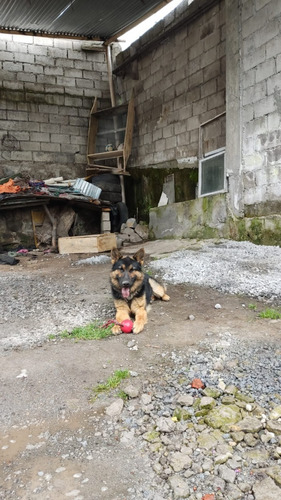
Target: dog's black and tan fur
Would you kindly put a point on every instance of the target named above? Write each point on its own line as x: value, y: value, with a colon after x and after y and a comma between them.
x: 132, y: 289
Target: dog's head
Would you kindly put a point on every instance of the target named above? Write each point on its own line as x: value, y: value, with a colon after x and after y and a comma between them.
x: 126, y: 274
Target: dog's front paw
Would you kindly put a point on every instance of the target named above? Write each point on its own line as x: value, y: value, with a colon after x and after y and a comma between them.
x: 138, y: 327
x: 116, y: 330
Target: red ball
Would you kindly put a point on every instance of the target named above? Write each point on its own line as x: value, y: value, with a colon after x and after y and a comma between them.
x: 126, y: 326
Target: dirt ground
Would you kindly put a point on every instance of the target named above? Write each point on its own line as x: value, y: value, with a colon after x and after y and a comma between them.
x: 51, y: 433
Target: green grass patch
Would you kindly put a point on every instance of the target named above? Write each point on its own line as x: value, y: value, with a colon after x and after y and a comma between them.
x: 111, y: 383
x: 270, y: 314
x: 253, y: 307
x: 92, y: 331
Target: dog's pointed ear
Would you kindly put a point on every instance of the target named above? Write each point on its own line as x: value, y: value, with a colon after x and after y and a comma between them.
x: 139, y: 256
x: 115, y: 255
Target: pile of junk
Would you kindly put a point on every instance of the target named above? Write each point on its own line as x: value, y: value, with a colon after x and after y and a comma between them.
x: 35, y: 213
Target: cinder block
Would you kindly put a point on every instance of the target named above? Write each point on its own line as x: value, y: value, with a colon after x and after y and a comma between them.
x: 83, y: 65
x: 21, y: 155
x: 6, y: 56
x: 73, y: 73
x: 11, y: 66
x: 254, y: 59
x: 39, y: 136
x: 53, y: 70
x: 66, y: 82
x: 82, y: 83
x: 25, y: 58
x: 30, y: 146
x: 44, y: 108
x: 61, y: 138
x: 26, y: 77
x: 73, y: 101
x: 17, y: 116
x: 37, y: 50
x: 75, y: 54
x: 264, y: 106
x: 208, y: 88
x: 253, y: 24
x: 49, y: 147
x: 265, y: 70
x: 56, y: 52
x: 171, y: 142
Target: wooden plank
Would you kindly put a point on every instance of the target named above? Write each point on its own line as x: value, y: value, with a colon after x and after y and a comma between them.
x: 92, y: 243
x: 106, y: 155
x: 129, y: 131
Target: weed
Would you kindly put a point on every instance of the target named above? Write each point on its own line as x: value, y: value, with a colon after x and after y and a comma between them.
x: 270, y: 314
x: 92, y: 331
x: 111, y: 383
x: 123, y: 395
x: 253, y: 307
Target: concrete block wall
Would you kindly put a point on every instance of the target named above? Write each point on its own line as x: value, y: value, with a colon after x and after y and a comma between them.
x: 179, y: 83
x: 261, y: 105
x: 46, y: 93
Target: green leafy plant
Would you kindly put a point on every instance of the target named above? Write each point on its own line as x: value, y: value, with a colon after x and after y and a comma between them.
x: 92, y: 331
x: 270, y: 314
x: 111, y: 383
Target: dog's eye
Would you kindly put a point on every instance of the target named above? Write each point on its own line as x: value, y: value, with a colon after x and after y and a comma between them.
x: 121, y: 268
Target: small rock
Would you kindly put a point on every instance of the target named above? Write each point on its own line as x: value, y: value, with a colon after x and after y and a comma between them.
x: 145, y: 399
x: 131, y: 391
x: 191, y: 317
x: 179, y: 487
x: 249, y: 424
x: 185, y: 400
x: 217, y: 306
x: 164, y: 424
x: 115, y: 409
x: 227, y: 474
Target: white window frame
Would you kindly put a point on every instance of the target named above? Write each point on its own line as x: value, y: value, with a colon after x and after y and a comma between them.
x: 209, y: 156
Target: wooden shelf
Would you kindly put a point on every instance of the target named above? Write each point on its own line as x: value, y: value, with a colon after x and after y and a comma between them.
x: 111, y: 126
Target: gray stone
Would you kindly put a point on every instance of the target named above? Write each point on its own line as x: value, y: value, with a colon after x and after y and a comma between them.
x: 185, y: 400
x: 145, y: 399
x: 135, y: 238
x: 131, y: 391
x: 180, y: 461
x: 232, y: 492
x: 273, y: 426
x: 267, y: 490
x: 131, y: 223
x: 249, y: 424
x: 275, y: 414
x: 115, y: 409
x: 179, y: 487
x: 164, y: 424
x: 142, y: 230
x: 227, y: 474
x: 207, y: 403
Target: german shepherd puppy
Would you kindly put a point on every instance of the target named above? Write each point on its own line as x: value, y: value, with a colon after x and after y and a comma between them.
x: 132, y: 289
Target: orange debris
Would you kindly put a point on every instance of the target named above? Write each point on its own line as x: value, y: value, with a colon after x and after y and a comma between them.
x: 9, y: 187
x: 197, y: 384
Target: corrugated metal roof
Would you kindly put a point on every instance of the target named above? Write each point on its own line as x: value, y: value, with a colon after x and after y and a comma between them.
x: 98, y: 19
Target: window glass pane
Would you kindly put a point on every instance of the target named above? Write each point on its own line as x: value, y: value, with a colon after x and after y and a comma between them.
x: 212, y: 174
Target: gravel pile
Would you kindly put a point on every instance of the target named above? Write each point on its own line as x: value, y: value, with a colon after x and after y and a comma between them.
x: 223, y: 440
x: 229, y: 266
